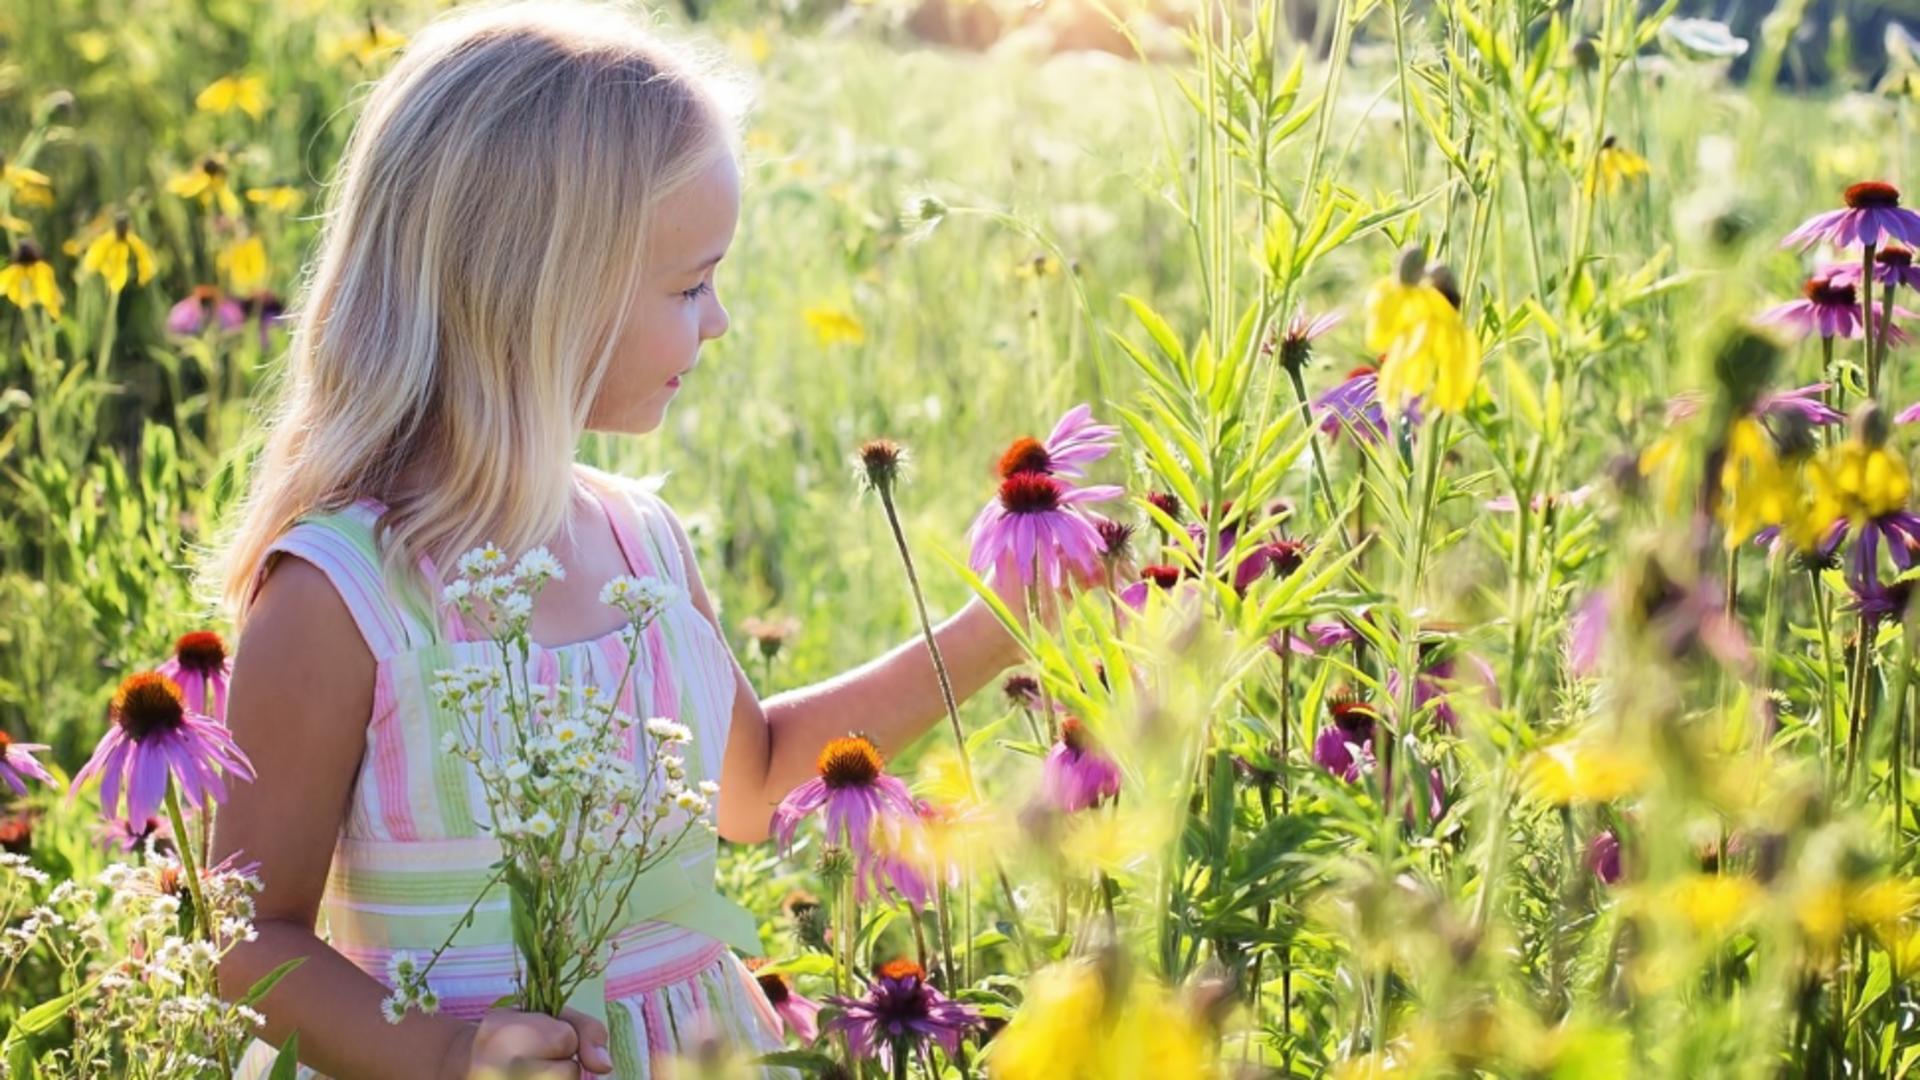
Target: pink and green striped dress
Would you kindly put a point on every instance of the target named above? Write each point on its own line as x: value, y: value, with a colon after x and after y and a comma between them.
x: 413, y: 851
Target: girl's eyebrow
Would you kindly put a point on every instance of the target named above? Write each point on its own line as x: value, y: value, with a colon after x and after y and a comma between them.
x: 703, y: 267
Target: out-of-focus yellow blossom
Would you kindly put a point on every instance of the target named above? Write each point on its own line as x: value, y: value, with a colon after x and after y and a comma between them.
x: 1067, y: 1029
x: 369, y: 45
x: 1038, y: 266
x: 207, y: 182
x: 245, y: 264
x: 754, y: 44
x: 28, y: 280
x: 1588, y: 771
x: 1856, y: 481
x: 92, y: 46
x: 832, y: 326
x: 1882, y: 905
x: 1614, y: 166
x: 279, y: 198
x: 1427, y: 349
x: 31, y: 186
x: 248, y: 93
x: 14, y: 224
x: 1715, y: 903
x: 1114, y: 841
x: 1757, y: 490
x: 116, y: 252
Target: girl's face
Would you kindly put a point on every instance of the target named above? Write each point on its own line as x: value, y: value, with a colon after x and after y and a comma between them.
x: 676, y: 309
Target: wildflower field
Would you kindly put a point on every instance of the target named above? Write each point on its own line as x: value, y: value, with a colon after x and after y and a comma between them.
x: 1473, y: 438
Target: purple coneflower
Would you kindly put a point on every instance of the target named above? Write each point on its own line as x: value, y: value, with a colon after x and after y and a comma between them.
x: 201, y: 668
x: 1603, y: 857
x: 127, y: 837
x: 855, y: 790
x: 1165, y: 502
x: 1438, y: 674
x: 1892, y: 266
x: 1807, y: 402
x: 797, y: 1011
x: 155, y: 736
x: 1320, y: 637
x: 17, y: 764
x: 1077, y: 774
x: 1151, y: 577
x: 1036, y: 518
x: 1074, y: 442
x: 1345, y: 747
x: 900, y: 1013
x: 189, y: 316
x: 1830, y: 309
x: 1873, y: 214
x: 1296, y: 345
x: 1354, y: 404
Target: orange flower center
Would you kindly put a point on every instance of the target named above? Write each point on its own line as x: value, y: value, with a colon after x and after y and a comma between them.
x: 1073, y: 734
x: 1872, y: 194
x: 902, y: 969
x: 1351, y: 714
x: 149, y: 704
x: 1166, y: 577
x: 1894, y: 255
x: 1026, y: 455
x: 775, y: 987
x: 201, y: 651
x: 6, y: 741
x: 850, y: 762
x: 1822, y: 291
x: 1030, y: 493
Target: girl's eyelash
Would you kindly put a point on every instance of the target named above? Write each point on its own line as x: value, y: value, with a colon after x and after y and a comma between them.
x: 695, y: 292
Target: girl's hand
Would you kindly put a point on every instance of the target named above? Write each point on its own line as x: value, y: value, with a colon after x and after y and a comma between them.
x: 531, y: 1046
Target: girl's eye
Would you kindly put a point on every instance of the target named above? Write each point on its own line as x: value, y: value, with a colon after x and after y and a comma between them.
x: 696, y: 292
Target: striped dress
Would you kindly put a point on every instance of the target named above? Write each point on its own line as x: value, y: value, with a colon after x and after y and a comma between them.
x: 413, y: 852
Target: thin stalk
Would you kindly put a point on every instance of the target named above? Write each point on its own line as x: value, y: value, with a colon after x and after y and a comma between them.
x: 933, y: 644
x: 1829, y: 708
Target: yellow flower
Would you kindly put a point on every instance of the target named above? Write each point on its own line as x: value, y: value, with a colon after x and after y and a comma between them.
x: 1067, y: 1029
x: 1584, y: 772
x: 279, y: 198
x: 30, y: 186
x: 28, y: 280
x: 245, y: 264
x: 832, y: 326
x: 369, y: 44
x: 14, y: 224
x: 113, y: 252
x: 1757, y: 489
x: 208, y: 183
x: 1714, y: 903
x: 1858, y: 482
x: 248, y: 93
x: 1614, y: 165
x: 1428, y: 350
x: 1037, y: 266
x: 92, y: 45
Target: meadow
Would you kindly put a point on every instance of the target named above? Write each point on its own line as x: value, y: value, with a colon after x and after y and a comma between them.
x: 1506, y: 666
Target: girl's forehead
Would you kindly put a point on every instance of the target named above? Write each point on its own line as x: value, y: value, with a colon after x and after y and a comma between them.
x: 695, y: 222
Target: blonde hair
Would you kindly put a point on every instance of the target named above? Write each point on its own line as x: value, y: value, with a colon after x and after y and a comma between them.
x: 484, y: 237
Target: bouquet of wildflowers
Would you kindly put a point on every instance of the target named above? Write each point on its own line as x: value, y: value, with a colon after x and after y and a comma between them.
x: 577, y: 820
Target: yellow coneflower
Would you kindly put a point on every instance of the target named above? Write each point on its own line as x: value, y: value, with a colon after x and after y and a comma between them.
x: 1757, y: 489
x: 245, y: 264
x: 28, y: 280
x: 1427, y: 349
x: 31, y: 186
x: 832, y: 326
x: 370, y: 44
x: 1586, y: 771
x: 280, y: 198
x: 114, y: 253
x: 209, y: 183
x: 1614, y: 166
x: 248, y: 93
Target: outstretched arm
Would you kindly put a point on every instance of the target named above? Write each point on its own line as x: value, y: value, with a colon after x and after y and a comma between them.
x: 891, y: 699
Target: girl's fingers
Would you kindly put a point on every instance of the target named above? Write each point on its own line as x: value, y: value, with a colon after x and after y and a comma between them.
x: 592, y: 1037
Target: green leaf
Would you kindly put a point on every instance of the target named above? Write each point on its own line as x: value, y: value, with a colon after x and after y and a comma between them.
x: 1157, y: 329
x: 268, y: 981
x: 1879, y: 979
x: 286, y: 1064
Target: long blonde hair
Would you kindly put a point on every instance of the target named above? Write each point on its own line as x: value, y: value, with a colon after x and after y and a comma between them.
x: 484, y: 237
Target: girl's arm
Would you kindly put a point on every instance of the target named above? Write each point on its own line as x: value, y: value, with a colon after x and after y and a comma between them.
x: 891, y: 699
x: 302, y: 689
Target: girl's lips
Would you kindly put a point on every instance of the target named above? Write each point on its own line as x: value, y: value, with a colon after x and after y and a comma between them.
x: 675, y: 381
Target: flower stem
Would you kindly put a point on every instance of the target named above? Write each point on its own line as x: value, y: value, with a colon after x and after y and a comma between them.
x: 933, y: 645
x: 1826, y: 674
x: 1866, y: 320
x: 188, y: 866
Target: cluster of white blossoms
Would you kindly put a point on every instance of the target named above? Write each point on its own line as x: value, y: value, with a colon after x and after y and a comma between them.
x: 152, y: 988
x: 581, y: 795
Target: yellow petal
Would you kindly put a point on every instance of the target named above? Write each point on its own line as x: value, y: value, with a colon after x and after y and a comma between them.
x: 142, y: 258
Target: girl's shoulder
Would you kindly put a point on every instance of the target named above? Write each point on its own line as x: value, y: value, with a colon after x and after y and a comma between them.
x: 342, y: 542
x: 659, y: 525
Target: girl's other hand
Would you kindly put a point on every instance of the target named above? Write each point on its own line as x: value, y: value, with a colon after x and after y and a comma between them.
x: 530, y: 1046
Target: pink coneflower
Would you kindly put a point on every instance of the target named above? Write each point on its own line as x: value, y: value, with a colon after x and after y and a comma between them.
x: 1076, y: 774
x: 1354, y: 404
x: 1603, y: 857
x: 1807, y: 402
x: 1165, y: 502
x: 900, y: 1013
x: 17, y: 764
x: 1022, y: 690
x: 155, y: 736
x: 201, y: 668
x: 1159, y: 577
x: 1074, y: 442
x: 189, y: 316
x: 1892, y: 266
x: 855, y: 790
x: 1345, y: 747
x: 880, y: 872
x: 798, y: 1012
x: 1036, y: 518
x: 1873, y: 214
x: 1828, y: 308
x: 127, y: 837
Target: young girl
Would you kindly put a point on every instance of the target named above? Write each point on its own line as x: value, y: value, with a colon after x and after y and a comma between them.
x: 521, y: 249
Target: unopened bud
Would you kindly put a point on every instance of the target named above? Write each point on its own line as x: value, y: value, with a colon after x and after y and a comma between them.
x: 1412, y: 265
x: 1870, y: 424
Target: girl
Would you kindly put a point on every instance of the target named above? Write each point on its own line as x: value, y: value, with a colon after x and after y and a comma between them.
x: 521, y: 249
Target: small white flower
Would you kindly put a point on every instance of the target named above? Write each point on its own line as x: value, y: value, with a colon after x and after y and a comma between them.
x: 668, y: 731
x: 393, y: 1008
x: 460, y: 589
x: 568, y: 732
x: 515, y: 606
x: 691, y: 801
x: 708, y: 788
x: 542, y: 824
x: 538, y: 565
x: 486, y: 559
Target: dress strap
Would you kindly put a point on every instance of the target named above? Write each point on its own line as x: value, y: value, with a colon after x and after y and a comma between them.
x: 391, y: 616
x: 640, y: 525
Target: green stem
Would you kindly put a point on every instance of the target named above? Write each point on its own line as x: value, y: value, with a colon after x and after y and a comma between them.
x: 183, y: 843
x: 933, y: 644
